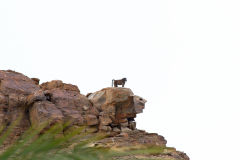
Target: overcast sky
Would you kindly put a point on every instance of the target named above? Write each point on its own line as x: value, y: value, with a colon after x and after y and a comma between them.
x: 183, y: 56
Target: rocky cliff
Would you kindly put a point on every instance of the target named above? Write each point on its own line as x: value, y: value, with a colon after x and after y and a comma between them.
x: 110, y: 110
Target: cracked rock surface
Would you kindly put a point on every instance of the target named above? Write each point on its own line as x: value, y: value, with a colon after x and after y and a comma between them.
x: 110, y: 110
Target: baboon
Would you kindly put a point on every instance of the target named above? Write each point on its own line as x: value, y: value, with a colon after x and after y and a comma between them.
x: 119, y: 82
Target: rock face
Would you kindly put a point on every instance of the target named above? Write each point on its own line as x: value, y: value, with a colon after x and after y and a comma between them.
x: 117, y: 108
x: 110, y: 110
x: 14, y: 90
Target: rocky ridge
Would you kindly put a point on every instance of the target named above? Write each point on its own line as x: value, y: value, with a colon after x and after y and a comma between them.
x: 110, y: 110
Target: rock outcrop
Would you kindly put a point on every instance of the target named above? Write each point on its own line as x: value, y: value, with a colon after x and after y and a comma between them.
x: 117, y: 108
x: 110, y: 110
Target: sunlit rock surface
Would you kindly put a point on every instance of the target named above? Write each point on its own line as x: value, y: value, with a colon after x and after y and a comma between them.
x: 110, y: 110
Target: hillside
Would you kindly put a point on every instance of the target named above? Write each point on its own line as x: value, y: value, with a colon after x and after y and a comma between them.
x: 110, y: 111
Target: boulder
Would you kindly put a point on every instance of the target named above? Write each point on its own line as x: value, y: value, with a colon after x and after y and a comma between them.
x: 17, y: 83
x: 36, y: 96
x: 139, y: 104
x: 124, y: 124
x: 43, y: 113
x: 91, y: 120
x: 118, y: 103
x: 59, y: 84
x: 105, y: 120
x: 36, y: 80
x: 116, y: 129
x: 132, y: 125
x: 125, y: 129
x: 14, y: 90
x: 3, y: 99
x: 105, y: 128
x: 70, y: 102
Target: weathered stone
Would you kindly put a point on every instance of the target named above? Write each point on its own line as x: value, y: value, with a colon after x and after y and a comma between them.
x: 14, y: 89
x: 105, y: 120
x: 83, y: 104
x: 45, y: 112
x: 92, y: 110
x: 3, y: 99
x: 36, y: 96
x: 87, y: 95
x: 59, y: 84
x: 123, y: 120
x: 105, y: 128
x: 132, y: 125
x: 16, y: 100
x: 36, y: 80
x: 1, y: 119
x: 14, y: 82
x: 69, y: 101
x: 134, y: 138
x: 125, y: 129
x: 116, y: 129
x: 117, y: 103
x: 85, y: 108
x: 124, y: 124
x: 92, y: 129
x: 91, y: 120
x: 114, y: 125
x: 102, y: 99
x: 139, y: 104
x: 98, y: 98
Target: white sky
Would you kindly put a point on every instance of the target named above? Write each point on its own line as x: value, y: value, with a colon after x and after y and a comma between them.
x: 181, y: 55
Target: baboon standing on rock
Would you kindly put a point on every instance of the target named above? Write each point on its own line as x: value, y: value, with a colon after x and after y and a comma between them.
x: 119, y: 82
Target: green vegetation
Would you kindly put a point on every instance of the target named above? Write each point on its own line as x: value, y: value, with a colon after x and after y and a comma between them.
x: 53, y: 145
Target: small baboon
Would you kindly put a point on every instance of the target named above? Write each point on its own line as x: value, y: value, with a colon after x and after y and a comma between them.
x: 119, y: 82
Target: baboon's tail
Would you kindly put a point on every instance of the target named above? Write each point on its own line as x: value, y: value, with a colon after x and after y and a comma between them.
x: 112, y: 82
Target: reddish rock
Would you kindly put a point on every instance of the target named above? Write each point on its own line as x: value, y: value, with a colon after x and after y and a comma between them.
x: 45, y: 112
x: 118, y: 103
x: 36, y: 96
x: 69, y: 101
x: 123, y: 120
x: 125, y: 129
x: 132, y: 125
x: 105, y: 120
x: 116, y: 129
x: 133, y: 138
x: 3, y: 99
x: 124, y: 124
x: 59, y: 84
x: 14, y: 90
x: 110, y: 110
x: 91, y: 120
x: 139, y: 104
x: 14, y: 82
x: 105, y: 128
x: 36, y: 80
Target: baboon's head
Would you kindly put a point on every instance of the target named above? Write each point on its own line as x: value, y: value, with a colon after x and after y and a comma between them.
x: 124, y: 79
